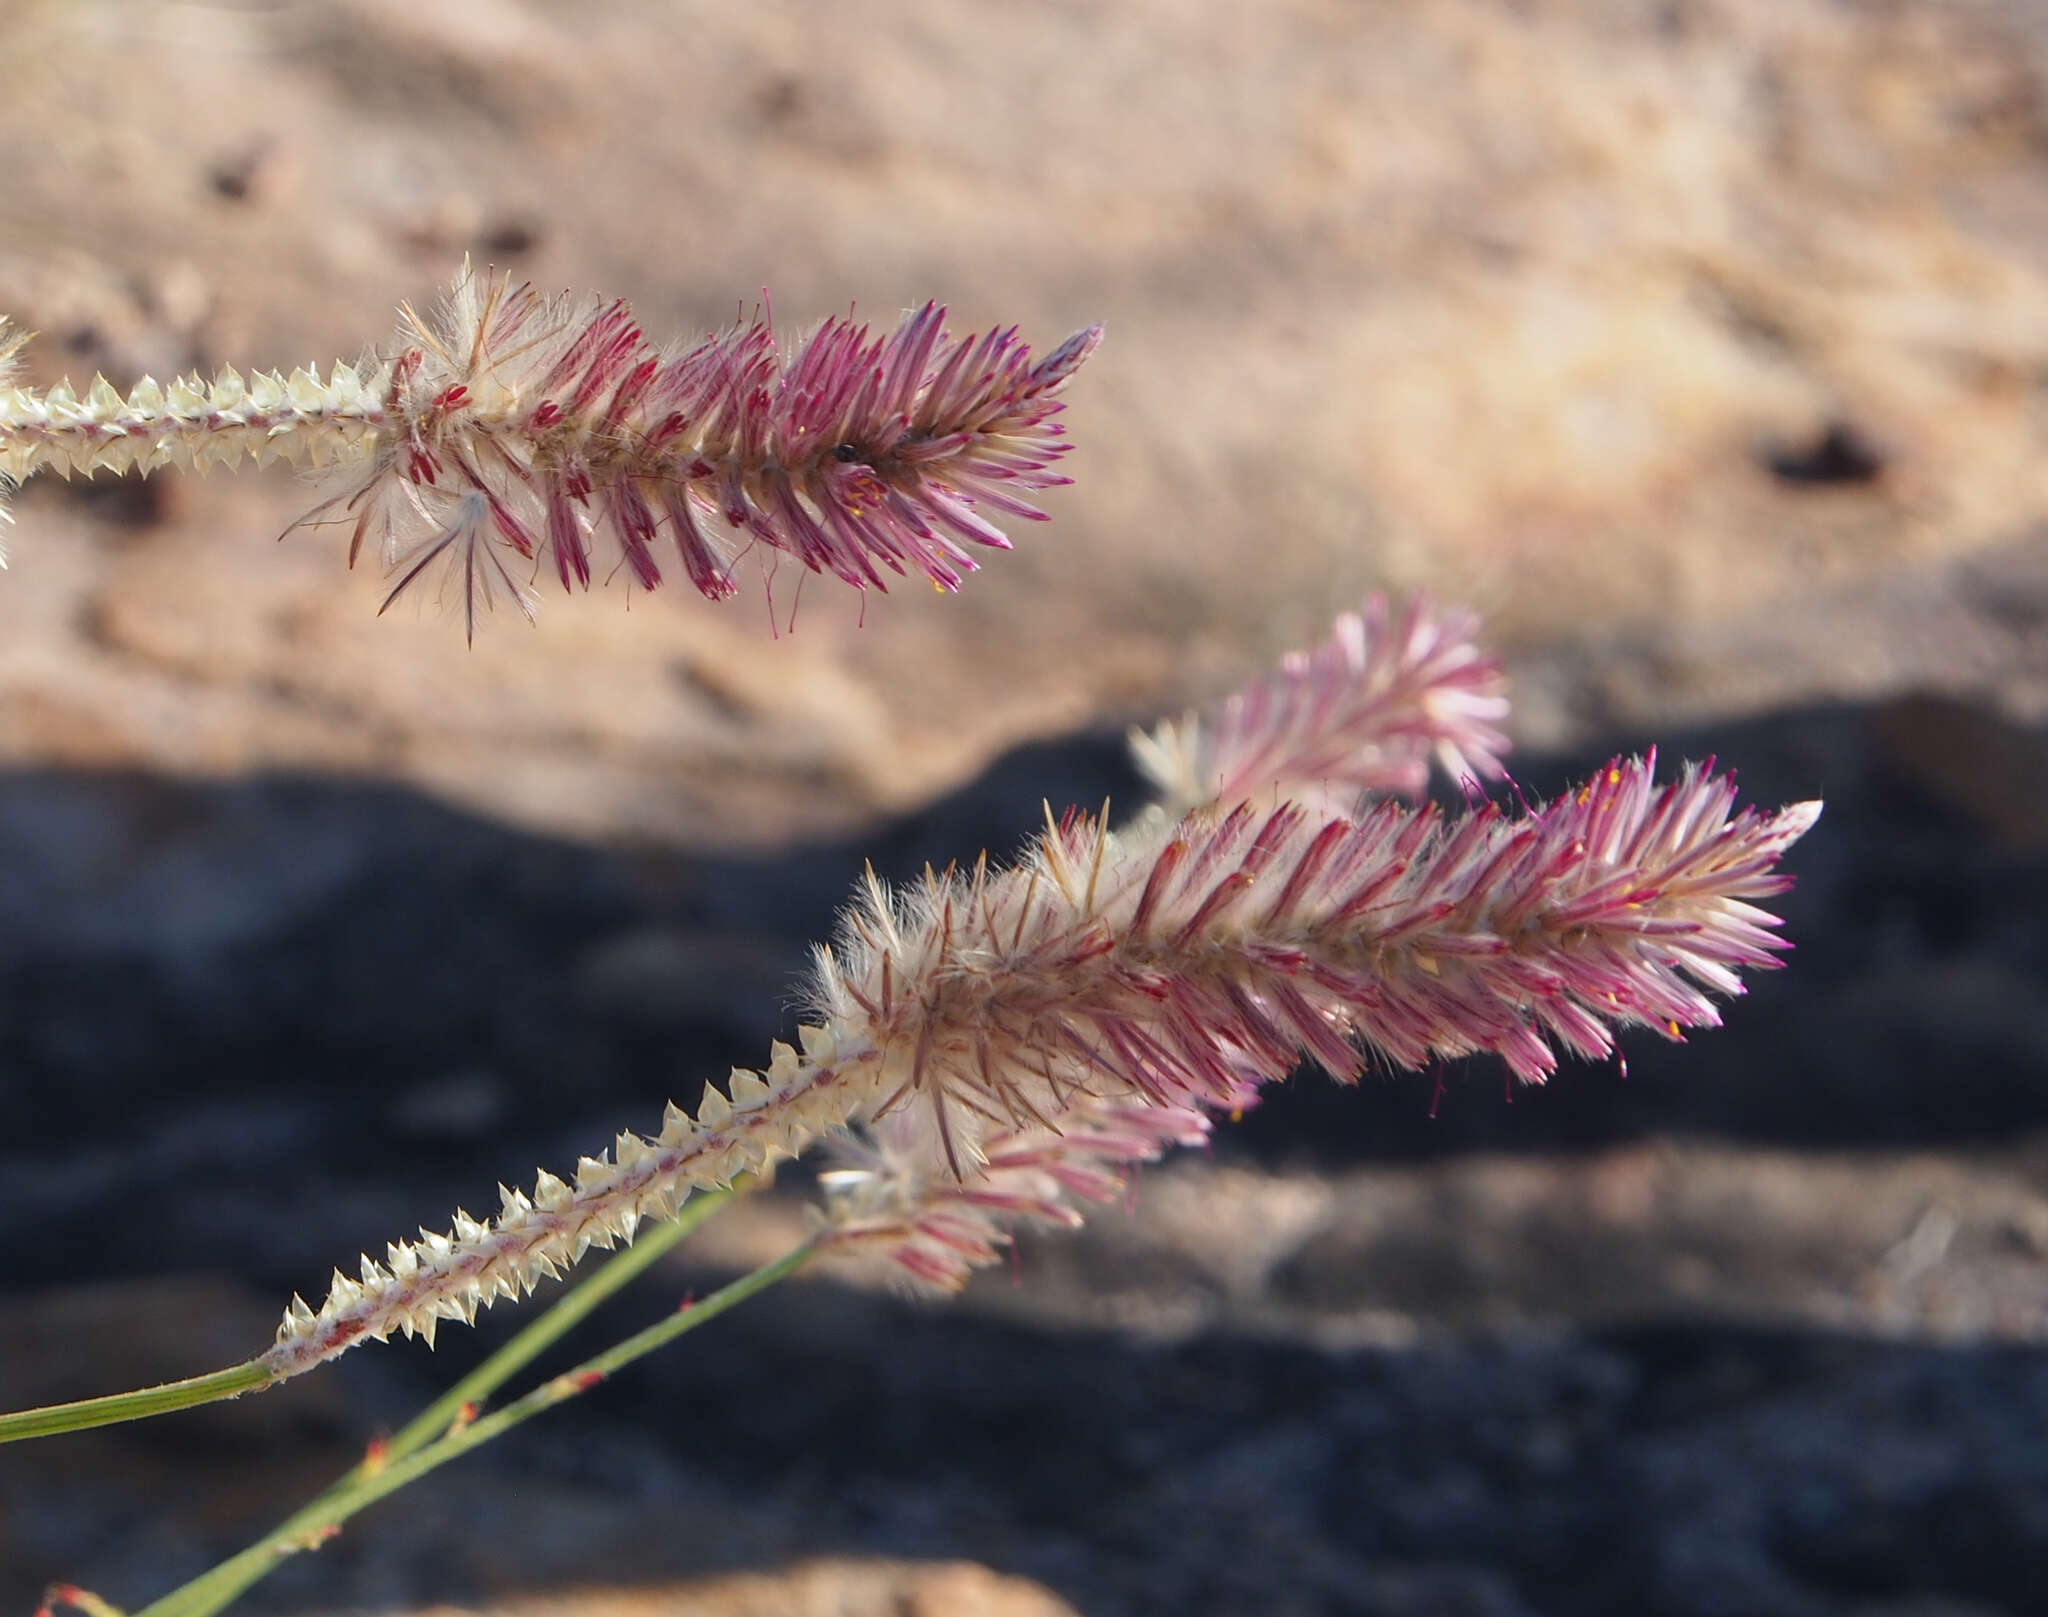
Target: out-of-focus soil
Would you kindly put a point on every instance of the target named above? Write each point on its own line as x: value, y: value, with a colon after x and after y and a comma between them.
x: 1701, y: 344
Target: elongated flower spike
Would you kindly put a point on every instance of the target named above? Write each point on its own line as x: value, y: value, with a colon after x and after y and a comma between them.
x: 1258, y: 937
x: 1174, y: 968
x: 514, y: 434
x: 1365, y: 712
x: 983, y: 1017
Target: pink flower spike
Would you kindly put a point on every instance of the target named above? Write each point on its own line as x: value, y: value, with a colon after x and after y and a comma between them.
x: 1364, y: 712
x: 1119, y: 1034
x: 1173, y: 969
x: 862, y: 454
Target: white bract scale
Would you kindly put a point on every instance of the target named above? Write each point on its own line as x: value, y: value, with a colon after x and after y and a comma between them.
x: 193, y: 424
x: 760, y: 1119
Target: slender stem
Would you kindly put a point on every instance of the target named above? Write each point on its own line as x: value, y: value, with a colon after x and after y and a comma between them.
x: 69, y: 1594
x: 559, y: 1318
x: 254, y: 1375
x: 308, y: 1528
x: 143, y: 1402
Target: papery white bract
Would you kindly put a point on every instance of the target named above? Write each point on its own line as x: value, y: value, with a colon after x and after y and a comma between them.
x: 11, y: 343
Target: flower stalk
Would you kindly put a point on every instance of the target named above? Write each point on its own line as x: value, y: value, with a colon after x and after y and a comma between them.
x: 560, y: 1317
x: 768, y: 1117
x: 113, y: 1409
x: 317, y: 1522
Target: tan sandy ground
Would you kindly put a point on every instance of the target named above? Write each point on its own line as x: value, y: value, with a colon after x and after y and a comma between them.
x: 1519, y: 303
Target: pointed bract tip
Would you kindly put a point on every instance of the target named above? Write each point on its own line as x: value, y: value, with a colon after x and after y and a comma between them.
x: 1066, y: 359
x: 1796, y: 819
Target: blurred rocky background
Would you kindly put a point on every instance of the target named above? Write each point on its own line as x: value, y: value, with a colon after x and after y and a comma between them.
x: 1701, y: 344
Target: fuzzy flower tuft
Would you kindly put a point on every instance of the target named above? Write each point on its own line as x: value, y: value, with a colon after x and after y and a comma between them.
x: 1363, y: 713
x: 514, y: 435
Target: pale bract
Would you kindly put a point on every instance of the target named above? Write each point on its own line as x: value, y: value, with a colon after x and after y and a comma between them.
x: 11, y: 344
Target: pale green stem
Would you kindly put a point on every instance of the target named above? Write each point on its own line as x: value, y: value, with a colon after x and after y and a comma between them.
x: 211, y: 1591
x: 138, y: 1405
x: 560, y: 1317
x: 255, y: 1375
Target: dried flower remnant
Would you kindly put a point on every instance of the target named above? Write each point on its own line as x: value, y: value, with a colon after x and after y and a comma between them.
x: 1362, y: 713
x: 889, y: 1205
x: 11, y: 343
x: 513, y: 432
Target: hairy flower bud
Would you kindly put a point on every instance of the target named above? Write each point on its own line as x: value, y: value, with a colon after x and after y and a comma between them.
x: 889, y: 1204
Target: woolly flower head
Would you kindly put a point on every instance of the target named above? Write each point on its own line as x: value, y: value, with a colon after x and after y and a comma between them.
x: 512, y: 434
x: 1177, y: 967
